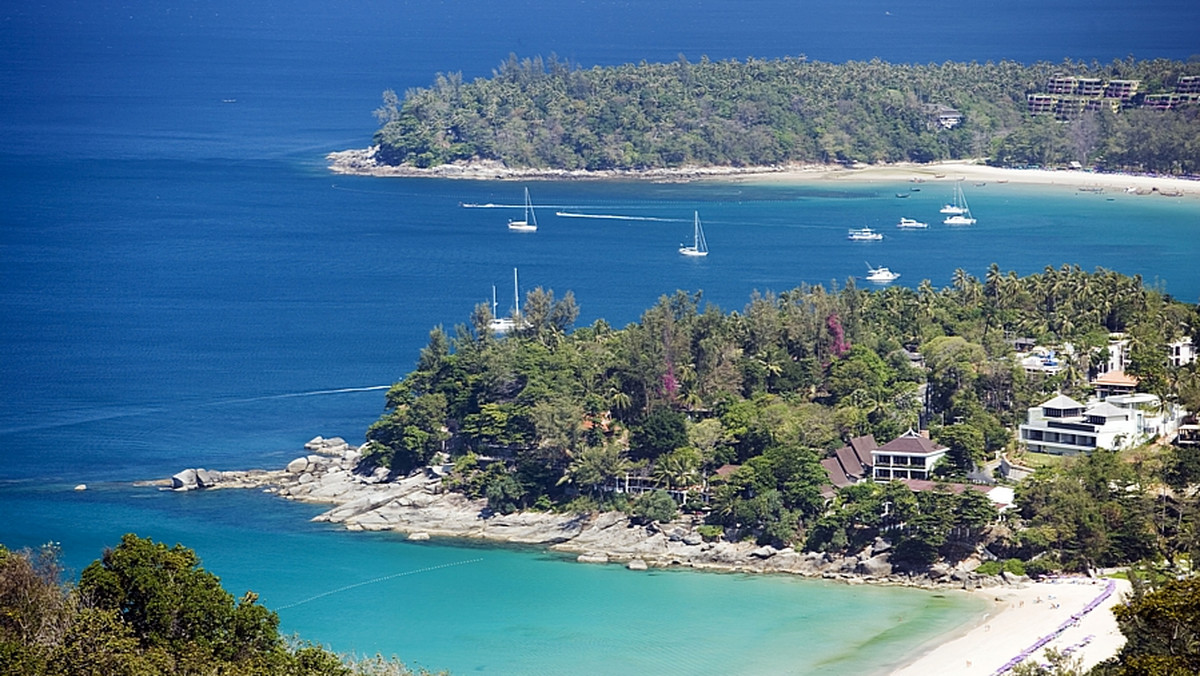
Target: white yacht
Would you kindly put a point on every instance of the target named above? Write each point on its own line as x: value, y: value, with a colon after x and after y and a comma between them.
x: 881, y: 275
x: 864, y: 235
x: 911, y: 224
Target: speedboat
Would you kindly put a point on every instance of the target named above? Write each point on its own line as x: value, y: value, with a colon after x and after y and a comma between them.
x: 881, y: 274
x: 911, y: 223
x: 864, y: 234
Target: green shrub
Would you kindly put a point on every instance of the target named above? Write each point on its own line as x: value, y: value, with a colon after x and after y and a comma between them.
x: 1015, y: 566
x: 710, y: 533
x: 989, y: 568
x: 1042, y: 566
x: 655, y: 506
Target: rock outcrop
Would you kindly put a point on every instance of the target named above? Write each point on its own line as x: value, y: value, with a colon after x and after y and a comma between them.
x: 418, y: 506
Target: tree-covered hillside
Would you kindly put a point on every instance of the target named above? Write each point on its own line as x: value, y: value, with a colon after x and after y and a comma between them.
x: 779, y: 385
x: 540, y: 113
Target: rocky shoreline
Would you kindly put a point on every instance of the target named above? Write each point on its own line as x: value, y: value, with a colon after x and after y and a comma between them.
x: 362, y: 162
x: 419, y: 506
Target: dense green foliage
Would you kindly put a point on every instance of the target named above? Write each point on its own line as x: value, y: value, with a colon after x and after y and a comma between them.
x: 1162, y: 632
x: 550, y: 114
x: 550, y: 419
x: 146, y: 609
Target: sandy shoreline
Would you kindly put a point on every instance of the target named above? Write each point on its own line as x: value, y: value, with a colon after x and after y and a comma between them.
x: 1020, y: 618
x: 362, y: 163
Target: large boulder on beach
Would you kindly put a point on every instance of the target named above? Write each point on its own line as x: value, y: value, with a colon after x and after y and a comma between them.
x: 637, y: 564
x: 297, y: 466
x: 876, y: 566
x: 764, y: 552
x: 206, y: 478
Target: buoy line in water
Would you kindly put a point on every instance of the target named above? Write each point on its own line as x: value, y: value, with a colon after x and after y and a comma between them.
x: 375, y: 581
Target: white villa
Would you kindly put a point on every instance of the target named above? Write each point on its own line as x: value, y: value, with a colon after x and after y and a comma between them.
x: 1065, y: 426
x: 1179, y: 352
x: 908, y: 456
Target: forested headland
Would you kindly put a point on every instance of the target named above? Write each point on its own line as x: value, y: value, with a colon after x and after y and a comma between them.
x: 553, y: 419
x: 550, y: 114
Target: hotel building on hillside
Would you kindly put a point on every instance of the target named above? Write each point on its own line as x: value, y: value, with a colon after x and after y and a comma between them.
x: 1064, y: 426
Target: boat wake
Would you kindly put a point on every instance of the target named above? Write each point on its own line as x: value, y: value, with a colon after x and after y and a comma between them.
x: 293, y: 395
x: 377, y: 580
x: 617, y: 217
x: 87, y: 416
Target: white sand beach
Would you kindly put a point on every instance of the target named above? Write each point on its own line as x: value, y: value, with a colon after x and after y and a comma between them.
x: 947, y: 172
x: 1021, y: 618
x: 362, y: 163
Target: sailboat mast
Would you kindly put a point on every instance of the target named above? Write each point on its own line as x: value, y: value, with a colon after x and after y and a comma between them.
x: 516, y: 293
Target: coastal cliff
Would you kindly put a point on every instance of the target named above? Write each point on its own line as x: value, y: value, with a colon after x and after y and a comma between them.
x: 418, y: 505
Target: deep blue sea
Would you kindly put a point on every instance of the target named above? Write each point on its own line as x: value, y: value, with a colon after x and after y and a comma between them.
x: 183, y: 283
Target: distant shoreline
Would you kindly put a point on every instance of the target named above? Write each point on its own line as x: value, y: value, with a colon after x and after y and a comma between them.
x: 362, y: 162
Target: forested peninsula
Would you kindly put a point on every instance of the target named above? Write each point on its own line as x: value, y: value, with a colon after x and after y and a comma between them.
x: 1131, y: 116
x: 728, y: 416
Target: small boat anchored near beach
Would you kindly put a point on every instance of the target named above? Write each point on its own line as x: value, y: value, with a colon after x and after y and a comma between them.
x: 699, y: 245
x: 529, y: 222
x: 881, y: 275
x: 864, y: 235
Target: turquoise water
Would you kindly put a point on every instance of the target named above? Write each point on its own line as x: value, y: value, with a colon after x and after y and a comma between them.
x: 183, y: 283
x: 476, y: 609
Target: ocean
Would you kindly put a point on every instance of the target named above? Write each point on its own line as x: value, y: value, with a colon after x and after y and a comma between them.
x: 183, y: 283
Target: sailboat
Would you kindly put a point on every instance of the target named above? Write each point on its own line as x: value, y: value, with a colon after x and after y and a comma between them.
x: 962, y: 215
x: 502, y: 325
x: 955, y: 207
x: 699, y: 247
x: 529, y: 222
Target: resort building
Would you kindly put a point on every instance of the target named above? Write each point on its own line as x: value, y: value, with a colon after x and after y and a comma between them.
x: 944, y: 116
x: 1114, y: 383
x: 1188, y: 434
x: 1060, y: 426
x: 1065, y: 426
x: 1181, y: 352
x: 1041, y: 104
x: 1121, y: 89
x: 1188, y: 84
x: 851, y: 463
x: 908, y: 456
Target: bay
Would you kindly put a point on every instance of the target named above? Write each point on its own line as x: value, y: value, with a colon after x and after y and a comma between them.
x: 183, y: 283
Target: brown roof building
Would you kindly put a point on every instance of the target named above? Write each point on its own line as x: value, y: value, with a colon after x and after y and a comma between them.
x: 909, y: 456
x: 850, y: 463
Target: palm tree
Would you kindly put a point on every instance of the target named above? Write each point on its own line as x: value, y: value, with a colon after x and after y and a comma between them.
x: 594, y: 466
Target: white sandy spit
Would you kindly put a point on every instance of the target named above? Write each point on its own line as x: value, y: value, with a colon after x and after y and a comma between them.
x: 362, y: 163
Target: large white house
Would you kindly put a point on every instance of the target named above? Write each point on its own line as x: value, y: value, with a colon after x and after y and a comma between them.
x: 1065, y: 426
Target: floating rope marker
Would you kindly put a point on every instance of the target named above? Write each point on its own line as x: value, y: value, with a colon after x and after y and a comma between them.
x: 375, y: 581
